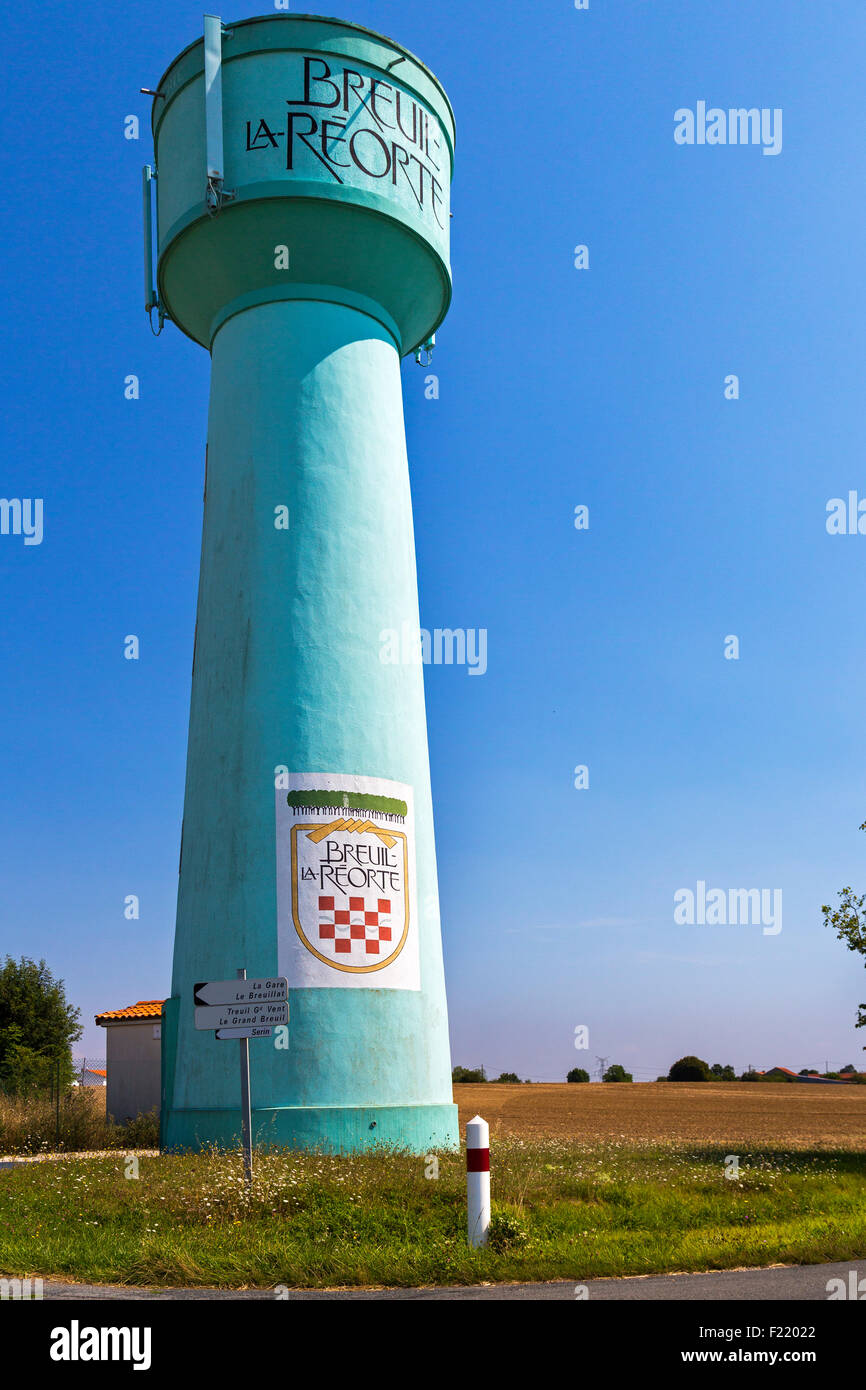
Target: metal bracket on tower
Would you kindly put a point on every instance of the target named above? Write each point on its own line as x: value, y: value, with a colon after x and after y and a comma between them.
x: 427, y: 347
x: 151, y: 298
x: 215, y: 193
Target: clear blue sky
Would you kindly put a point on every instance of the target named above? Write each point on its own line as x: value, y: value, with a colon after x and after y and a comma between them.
x: 558, y: 387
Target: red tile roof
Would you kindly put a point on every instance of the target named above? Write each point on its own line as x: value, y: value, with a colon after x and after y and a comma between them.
x: 145, y: 1008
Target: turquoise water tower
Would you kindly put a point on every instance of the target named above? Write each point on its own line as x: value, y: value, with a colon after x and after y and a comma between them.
x: 302, y: 170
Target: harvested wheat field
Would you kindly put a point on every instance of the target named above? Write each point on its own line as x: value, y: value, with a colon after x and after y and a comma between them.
x: 789, y: 1115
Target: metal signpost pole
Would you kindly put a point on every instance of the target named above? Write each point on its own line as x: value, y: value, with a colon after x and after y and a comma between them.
x: 237, y: 1010
x: 246, y: 1115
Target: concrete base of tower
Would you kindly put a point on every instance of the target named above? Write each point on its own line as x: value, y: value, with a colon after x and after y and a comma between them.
x: 331, y: 1128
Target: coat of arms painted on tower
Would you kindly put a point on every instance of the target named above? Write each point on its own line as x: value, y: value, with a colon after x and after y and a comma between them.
x: 346, y: 882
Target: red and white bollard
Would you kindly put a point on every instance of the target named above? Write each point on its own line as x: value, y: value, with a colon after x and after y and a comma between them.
x: 478, y: 1180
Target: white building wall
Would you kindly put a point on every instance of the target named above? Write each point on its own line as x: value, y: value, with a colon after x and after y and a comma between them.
x: 133, y: 1062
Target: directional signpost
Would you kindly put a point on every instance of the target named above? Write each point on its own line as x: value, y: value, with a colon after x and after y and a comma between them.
x: 242, y: 1015
x: 241, y: 1009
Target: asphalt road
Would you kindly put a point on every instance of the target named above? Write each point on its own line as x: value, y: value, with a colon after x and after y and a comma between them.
x: 794, y: 1283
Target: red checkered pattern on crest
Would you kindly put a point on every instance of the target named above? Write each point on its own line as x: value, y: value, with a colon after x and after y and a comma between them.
x: 360, y: 928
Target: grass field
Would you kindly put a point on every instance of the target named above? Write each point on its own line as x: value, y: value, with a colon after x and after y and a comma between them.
x: 560, y: 1211
x: 597, y: 1183
x: 79, y: 1122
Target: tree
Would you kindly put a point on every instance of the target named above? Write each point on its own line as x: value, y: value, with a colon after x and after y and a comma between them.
x: 689, y: 1069
x: 37, y: 1027
x: 850, y: 1070
x: 508, y: 1076
x: 849, y: 923
x: 463, y: 1075
x: 720, y: 1073
x: 577, y: 1074
x: 617, y: 1073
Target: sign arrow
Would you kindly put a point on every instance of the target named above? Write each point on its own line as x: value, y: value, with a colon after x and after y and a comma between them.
x: 227, y: 1034
x: 241, y: 991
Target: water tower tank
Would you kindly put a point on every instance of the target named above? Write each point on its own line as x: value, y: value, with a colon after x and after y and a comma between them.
x: 303, y: 168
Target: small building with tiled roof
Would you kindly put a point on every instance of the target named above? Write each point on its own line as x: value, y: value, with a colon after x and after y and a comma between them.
x: 133, y: 1054
x: 145, y: 1008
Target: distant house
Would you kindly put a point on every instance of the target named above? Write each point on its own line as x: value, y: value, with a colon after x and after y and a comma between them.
x: 817, y: 1080
x: 786, y: 1074
x: 133, y: 1051
x: 92, y: 1076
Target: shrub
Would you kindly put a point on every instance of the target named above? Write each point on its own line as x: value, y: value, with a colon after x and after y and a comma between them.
x: 142, y: 1132
x: 506, y: 1232
x: 577, y: 1074
x: 617, y: 1073
x: 462, y: 1075
x: 689, y: 1069
x: 35, y: 1124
